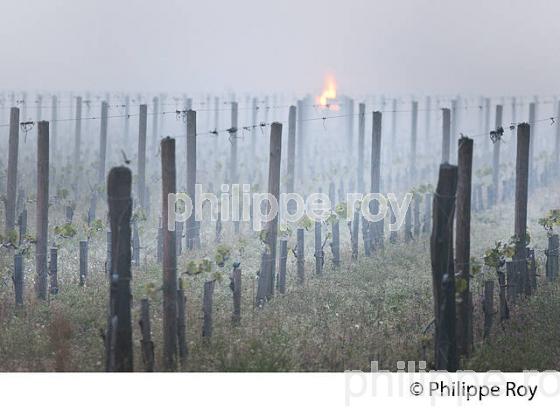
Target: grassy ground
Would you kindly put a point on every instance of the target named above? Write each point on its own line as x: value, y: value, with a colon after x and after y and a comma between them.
x: 377, y: 308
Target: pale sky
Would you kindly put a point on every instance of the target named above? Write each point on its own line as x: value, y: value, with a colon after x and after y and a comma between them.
x: 498, y: 47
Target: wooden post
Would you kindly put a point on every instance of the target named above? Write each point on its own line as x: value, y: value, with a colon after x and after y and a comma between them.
x: 532, y: 119
x: 266, y: 279
x: 521, y: 194
x: 335, y: 243
x: 446, y: 134
x: 475, y: 199
x: 290, y: 185
x: 454, y: 127
x: 413, y: 138
x: 416, y: 210
x: 236, y: 288
x: 169, y: 256
x: 254, y: 118
x: 264, y: 272
x: 146, y: 330
x: 216, y: 113
x: 92, y: 208
x: 77, y: 143
x: 463, y: 246
x: 53, y: 271
x: 88, y: 103
x: 42, y: 218
x: 179, y: 237
x: 142, y: 126
x: 408, y: 237
x: 489, y: 195
x: 282, y: 266
x: 102, y: 159
x: 366, y: 235
x: 218, y: 237
x: 207, y: 302
x: 233, y: 169
x: 552, y: 257
x: 300, y: 141
x: 486, y: 139
x: 480, y: 205
x: 119, y: 339
x: 355, y: 233
x: 443, y: 269
x: 83, y: 262
x: 394, y: 130
x: 126, y: 130
x: 319, y: 255
x: 18, y: 278
x: 55, y: 155
x: 69, y: 213
x: 13, y: 150
x: 511, y: 149
x: 376, y: 229
x: 216, y: 120
x: 532, y: 269
x: 20, y: 202
x: 504, y: 309
x: 155, y: 117
x: 193, y: 236
x: 361, y: 141
x: 181, y: 323
x: 480, y: 115
x: 488, y: 307
x: 496, y: 158
x: 103, y: 142
x: 22, y: 224
x: 512, y: 282
x: 24, y: 105
x: 350, y: 129
x: 426, y: 226
x: 393, y: 237
x: 233, y: 144
x: 300, y: 254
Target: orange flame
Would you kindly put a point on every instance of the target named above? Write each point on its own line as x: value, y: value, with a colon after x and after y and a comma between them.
x: 329, y: 94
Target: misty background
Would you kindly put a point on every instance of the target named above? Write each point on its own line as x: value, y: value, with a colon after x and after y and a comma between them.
x: 499, y: 47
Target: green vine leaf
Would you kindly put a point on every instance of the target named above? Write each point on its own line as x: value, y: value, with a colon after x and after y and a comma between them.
x: 65, y: 231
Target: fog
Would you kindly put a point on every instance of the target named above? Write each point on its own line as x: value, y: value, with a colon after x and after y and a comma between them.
x: 497, y: 47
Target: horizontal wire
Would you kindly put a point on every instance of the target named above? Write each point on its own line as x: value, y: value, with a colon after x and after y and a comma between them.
x: 180, y: 114
x: 260, y: 106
